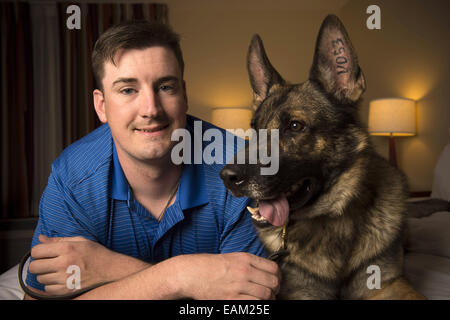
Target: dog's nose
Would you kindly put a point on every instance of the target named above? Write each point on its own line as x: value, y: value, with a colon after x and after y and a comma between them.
x: 230, y: 176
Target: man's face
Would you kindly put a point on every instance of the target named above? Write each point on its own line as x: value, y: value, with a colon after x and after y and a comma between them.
x: 144, y: 101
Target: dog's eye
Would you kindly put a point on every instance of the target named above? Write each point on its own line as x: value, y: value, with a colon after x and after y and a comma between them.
x: 296, y: 125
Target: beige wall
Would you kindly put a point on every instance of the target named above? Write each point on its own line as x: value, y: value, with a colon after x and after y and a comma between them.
x: 216, y: 34
x: 408, y: 57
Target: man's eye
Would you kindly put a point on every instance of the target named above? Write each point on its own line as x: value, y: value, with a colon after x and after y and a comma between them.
x: 127, y: 91
x: 166, y: 88
x: 169, y: 87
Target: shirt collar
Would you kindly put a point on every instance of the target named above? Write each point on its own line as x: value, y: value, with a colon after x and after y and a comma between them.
x: 192, y: 191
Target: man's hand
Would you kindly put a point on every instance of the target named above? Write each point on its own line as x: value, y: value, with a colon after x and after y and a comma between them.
x: 97, y: 264
x: 227, y: 276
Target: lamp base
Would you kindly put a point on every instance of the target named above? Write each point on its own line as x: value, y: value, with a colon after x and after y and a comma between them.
x: 392, y: 153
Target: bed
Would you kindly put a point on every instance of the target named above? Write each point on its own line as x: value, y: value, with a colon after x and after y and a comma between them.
x: 427, y: 241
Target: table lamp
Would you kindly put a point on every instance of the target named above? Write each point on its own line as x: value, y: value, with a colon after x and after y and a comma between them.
x: 393, y: 117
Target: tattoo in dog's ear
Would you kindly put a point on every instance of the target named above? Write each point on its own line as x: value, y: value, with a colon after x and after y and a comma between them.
x: 263, y: 75
x: 335, y: 64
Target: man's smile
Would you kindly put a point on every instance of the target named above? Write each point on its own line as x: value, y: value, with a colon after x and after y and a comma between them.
x: 151, y: 131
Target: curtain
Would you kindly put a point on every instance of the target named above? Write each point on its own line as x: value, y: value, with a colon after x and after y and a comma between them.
x: 46, y: 88
x: 16, y: 96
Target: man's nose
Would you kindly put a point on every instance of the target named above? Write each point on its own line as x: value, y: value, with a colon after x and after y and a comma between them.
x: 149, y: 105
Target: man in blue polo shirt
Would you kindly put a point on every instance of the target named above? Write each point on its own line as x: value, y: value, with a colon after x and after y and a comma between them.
x: 119, y: 209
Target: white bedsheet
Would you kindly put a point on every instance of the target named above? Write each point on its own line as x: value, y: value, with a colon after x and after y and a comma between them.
x: 9, y: 283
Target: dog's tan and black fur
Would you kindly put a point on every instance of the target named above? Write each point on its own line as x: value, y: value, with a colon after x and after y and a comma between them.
x: 347, y: 204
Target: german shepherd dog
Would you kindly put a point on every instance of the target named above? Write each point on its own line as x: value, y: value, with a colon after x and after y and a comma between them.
x: 334, y: 205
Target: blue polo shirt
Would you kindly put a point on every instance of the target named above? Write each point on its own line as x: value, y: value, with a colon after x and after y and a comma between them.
x: 88, y: 195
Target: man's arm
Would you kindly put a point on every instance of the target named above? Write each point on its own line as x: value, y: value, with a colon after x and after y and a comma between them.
x: 197, y: 276
x: 96, y: 263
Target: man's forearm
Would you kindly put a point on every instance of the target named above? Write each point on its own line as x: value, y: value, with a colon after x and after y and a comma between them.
x: 121, y: 266
x: 96, y: 263
x: 137, y: 280
x: 236, y: 275
x: 151, y: 282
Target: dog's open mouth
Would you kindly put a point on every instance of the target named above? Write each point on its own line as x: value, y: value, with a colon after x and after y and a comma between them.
x: 276, y: 211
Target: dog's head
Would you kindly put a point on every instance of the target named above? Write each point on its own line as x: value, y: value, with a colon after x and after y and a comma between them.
x: 317, y: 122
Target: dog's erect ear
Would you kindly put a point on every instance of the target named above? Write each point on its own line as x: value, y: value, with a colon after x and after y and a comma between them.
x: 335, y: 64
x: 263, y: 75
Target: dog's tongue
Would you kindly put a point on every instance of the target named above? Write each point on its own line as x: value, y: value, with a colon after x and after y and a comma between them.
x: 276, y: 211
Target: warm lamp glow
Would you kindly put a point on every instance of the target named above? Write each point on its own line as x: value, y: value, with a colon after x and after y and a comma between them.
x: 392, y: 117
x: 232, y: 117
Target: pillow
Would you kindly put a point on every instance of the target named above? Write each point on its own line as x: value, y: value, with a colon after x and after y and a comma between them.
x: 441, y: 179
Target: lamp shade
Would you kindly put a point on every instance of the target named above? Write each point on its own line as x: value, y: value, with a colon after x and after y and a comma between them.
x: 232, y: 117
x: 392, y: 116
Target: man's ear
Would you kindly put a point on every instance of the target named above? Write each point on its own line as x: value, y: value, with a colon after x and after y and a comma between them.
x: 263, y: 75
x: 99, y: 104
x: 335, y: 64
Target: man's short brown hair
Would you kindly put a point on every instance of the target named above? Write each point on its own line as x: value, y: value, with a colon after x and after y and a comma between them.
x: 135, y: 34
